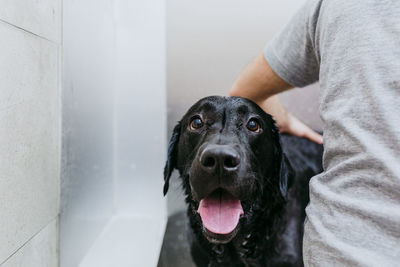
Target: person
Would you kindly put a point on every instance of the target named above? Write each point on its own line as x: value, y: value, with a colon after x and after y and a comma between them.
x: 353, y: 49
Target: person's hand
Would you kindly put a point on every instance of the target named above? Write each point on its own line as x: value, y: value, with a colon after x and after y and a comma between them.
x: 260, y: 83
x: 294, y: 126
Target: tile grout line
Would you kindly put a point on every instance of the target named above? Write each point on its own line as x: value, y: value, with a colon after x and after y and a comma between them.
x: 26, y: 242
x: 27, y: 31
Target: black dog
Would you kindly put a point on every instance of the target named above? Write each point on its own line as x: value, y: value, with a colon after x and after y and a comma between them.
x: 246, y: 187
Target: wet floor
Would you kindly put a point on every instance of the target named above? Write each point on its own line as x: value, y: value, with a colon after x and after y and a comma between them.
x: 175, y: 249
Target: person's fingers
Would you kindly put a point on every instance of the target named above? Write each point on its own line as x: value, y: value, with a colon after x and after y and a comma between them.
x: 298, y: 128
x: 303, y: 130
x: 313, y: 136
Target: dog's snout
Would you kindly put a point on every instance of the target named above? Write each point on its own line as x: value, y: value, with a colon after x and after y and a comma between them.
x: 219, y: 158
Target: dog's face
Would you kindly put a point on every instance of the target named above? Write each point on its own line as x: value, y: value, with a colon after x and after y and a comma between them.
x: 228, y: 154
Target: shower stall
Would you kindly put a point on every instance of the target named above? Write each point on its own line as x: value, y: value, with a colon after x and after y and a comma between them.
x: 127, y: 67
x: 113, y: 212
x: 89, y: 93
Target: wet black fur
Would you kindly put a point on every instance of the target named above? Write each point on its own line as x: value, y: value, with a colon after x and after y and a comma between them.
x: 274, y: 203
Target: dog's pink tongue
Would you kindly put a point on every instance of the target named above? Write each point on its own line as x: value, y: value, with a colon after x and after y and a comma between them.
x: 220, y: 212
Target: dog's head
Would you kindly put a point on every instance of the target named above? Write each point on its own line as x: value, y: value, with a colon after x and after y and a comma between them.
x: 228, y: 153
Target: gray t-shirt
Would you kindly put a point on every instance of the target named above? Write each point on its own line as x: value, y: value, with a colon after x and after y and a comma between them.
x: 353, y: 49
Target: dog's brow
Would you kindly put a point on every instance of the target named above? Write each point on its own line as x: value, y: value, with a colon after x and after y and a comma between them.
x: 208, y: 107
x: 243, y: 109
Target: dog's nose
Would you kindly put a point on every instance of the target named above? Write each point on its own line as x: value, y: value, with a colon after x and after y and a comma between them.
x: 219, y: 157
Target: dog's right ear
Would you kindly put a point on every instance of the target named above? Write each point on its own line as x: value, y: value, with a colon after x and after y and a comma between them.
x: 172, y: 156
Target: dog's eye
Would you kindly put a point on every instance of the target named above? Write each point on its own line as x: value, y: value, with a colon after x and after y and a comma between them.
x: 196, y: 123
x: 253, y: 126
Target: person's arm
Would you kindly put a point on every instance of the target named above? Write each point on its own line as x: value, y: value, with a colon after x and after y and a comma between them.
x: 260, y: 83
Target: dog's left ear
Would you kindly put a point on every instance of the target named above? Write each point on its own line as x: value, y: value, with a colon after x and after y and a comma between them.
x: 172, y: 156
x: 284, y: 170
x: 285, y: 175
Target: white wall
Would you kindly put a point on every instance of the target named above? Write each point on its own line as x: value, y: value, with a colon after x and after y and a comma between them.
x: 87, y: 102
x: 29, y: 132
x: 114, y: 133
x: 140, y: 108
x: 209, y: 43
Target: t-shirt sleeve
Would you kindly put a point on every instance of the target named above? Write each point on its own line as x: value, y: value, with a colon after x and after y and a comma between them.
x: 293, y: 53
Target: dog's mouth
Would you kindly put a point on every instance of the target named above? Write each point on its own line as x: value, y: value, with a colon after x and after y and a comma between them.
x: 220, y: 213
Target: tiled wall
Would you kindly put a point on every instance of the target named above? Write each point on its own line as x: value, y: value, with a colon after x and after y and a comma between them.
x: 30, y: 33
